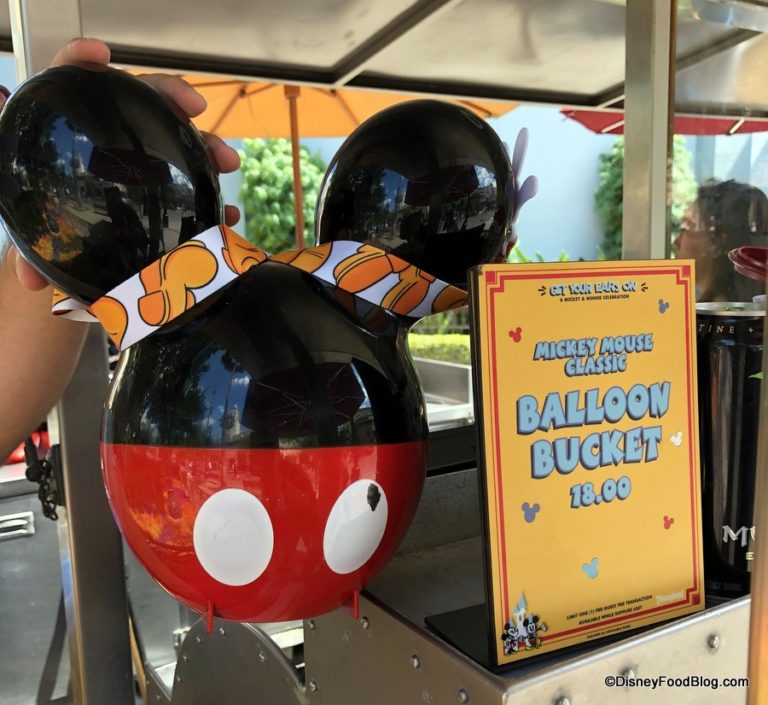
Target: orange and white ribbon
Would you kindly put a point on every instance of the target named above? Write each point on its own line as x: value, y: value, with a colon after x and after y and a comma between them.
x: 206, y: 263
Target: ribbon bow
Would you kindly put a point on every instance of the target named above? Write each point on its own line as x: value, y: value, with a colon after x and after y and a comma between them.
x: 192, y: 271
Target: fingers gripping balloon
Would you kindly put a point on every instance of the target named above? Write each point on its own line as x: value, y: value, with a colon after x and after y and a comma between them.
x: 263, y: 443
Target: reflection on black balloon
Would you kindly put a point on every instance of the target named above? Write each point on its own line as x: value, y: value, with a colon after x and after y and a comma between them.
x: 99, y: 177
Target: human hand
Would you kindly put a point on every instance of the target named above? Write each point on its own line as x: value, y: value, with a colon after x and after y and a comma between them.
x: 177, y: 90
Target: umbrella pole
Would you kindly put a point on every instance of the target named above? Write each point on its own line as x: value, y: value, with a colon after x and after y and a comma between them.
x: 292, y: 93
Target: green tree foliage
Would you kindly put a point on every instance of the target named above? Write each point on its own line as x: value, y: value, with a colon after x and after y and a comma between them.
x: 517, y: 256
x: 267, y: 192
x: 608, y: 197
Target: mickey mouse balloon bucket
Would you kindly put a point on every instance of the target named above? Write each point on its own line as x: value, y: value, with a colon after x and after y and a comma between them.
x: 264, y: 438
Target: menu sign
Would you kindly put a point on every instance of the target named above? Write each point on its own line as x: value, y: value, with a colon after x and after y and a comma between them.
x: 586, y: 391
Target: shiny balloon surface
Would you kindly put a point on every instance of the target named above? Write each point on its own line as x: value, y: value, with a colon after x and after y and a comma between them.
x: 428, y: 181
x: 266, y: 459
x: 99, y: 176
x: 263, y: 453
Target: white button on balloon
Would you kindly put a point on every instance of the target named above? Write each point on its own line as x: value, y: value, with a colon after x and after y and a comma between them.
x: 355, y: 526
x: 233, y: 537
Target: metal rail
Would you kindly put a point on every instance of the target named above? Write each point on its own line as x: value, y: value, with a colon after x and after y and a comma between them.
x: 90, y: 545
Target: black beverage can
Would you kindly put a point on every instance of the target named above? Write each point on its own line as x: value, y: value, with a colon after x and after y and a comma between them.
x: 730, y: 359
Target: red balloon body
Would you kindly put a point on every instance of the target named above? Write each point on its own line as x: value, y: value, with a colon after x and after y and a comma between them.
x: 157, y: 494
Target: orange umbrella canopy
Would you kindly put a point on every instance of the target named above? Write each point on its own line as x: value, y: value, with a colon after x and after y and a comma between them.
x: 238, y: 108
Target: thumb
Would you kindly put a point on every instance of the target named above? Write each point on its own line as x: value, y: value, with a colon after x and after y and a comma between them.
x: 27, y: 275
x: 82, y: 50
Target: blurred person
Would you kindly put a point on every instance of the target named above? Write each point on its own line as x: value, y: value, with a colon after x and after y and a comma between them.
x: 39, y: 351
x: 724, y: 216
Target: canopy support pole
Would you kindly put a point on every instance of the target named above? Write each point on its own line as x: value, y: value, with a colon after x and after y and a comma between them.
x: 649, y: 105
x: 292, y: 94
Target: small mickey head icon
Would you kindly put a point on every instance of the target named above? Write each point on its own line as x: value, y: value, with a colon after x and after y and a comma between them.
x: 663, y: 305
x: 591, y: 568
x: 668, y: 521
x: 529, y: 512
x: 516, y: 334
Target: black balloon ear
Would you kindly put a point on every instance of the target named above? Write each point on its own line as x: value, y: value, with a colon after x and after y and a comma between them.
x: 9, y: 187
x: 8, y: 143
x: 92, y: 162
x: 426, y: 180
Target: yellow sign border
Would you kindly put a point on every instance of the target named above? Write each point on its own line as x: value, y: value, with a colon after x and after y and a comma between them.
x: 489, y: 282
